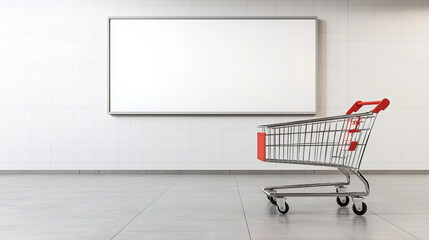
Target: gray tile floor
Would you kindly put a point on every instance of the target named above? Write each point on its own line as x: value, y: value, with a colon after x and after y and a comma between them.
x: 203, y: 207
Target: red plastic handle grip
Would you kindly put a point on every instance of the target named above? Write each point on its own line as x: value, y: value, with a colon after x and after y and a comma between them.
x: 381, y: 105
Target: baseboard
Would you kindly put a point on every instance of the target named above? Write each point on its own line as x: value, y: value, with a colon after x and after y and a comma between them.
x: 197, y: 172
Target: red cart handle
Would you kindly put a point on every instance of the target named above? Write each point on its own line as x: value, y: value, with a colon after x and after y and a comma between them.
x: 381, y: 105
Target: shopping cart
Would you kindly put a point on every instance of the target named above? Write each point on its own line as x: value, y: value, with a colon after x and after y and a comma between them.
x: 338, y: 141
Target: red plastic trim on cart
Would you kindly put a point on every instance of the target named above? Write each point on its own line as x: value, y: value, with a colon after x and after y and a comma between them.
x: 355, y: 124
x: 381, y: 105
x: 261, y: 146
x: 353, y: 146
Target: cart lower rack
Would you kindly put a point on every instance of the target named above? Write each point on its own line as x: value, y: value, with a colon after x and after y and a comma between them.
x: 338, y: 141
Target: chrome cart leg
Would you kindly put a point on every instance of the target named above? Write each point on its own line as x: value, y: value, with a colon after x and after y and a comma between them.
x: 359, y: 207
x: 343, y: 201
x: 345, y: 173
x: 271, y: 198
x: 364, y: 181
x: 282, y: 206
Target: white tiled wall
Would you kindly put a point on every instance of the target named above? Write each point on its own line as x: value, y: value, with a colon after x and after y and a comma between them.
x: 53, y: 99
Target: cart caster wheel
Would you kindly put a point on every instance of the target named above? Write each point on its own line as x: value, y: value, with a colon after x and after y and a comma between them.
x: 285, y: 210
x: 272, y: 200
x: 362, y: 211
x: 343, y: 204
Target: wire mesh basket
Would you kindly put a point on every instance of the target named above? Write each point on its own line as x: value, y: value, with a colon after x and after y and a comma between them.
x: 334, y: 142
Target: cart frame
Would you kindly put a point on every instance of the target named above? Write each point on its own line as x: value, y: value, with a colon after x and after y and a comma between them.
x: 342, y: 144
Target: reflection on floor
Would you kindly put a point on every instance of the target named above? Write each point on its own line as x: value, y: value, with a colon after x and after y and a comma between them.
x: 204, y: 207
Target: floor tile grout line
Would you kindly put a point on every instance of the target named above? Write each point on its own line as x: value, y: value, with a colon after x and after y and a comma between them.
x: 395, y: 225
x: 138, y: 214
x: 242, y: 207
